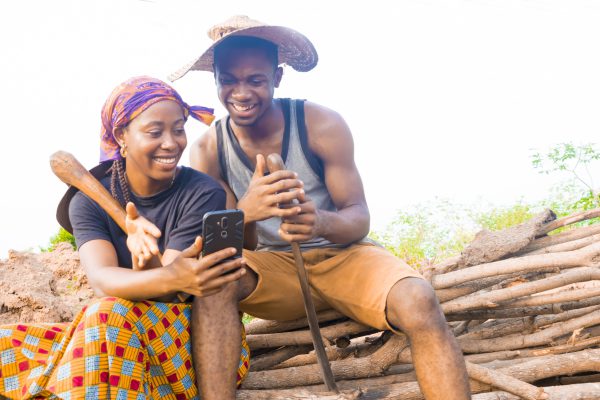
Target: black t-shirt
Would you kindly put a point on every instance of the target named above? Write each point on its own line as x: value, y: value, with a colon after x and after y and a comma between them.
x: 177, y: 212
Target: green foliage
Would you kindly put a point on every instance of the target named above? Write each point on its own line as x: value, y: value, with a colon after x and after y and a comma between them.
x: 61, y: 236
x: 432, y: 232
x: 426, y: 233
x: 247, y: 318
x: 575, y: 160
x: 499, y: 218
x: 437, y: 230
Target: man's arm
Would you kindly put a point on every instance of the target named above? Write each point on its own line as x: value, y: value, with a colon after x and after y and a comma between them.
x: 330, y: 139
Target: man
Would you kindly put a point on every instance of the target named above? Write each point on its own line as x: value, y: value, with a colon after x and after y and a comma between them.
x: 329, y: 216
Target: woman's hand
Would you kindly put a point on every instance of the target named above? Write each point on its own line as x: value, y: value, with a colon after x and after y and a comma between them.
x: 142, y: 237
x: 208, y: 275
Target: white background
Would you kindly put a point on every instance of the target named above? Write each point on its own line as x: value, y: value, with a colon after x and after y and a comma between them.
x: 444, y: 98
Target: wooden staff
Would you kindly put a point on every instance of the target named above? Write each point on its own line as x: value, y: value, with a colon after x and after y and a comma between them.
x: 275, y: 163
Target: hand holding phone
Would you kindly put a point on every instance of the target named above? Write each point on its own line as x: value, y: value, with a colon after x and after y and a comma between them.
x: 223, y: 229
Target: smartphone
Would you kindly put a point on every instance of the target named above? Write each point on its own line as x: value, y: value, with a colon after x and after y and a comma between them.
x: 223, y: 229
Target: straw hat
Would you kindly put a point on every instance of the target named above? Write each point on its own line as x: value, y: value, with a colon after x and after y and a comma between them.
x: 294, y: 48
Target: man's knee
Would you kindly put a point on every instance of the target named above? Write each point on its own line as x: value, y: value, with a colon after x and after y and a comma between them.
x: 412, y: 306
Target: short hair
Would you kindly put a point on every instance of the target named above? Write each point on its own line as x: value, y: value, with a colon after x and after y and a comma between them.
x: 247, y: 42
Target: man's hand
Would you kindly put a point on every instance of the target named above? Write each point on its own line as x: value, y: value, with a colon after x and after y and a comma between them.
x: 205, y: 276
x: 304, y: 225
x: 142, y: 237
x: 265, y: 193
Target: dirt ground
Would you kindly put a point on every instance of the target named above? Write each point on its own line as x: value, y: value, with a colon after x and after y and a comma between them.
x: 46, y: 287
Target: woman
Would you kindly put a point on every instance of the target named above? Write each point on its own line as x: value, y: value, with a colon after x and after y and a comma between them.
x: 125, y: 345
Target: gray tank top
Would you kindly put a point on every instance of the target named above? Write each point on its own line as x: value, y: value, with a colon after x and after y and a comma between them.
x: 236, y: 169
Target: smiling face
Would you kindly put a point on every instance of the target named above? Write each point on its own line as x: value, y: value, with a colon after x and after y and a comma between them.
x: 246, y: 80
x: 154, y: 140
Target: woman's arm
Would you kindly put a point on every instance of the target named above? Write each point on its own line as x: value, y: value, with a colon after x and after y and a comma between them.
x: 183, y: 272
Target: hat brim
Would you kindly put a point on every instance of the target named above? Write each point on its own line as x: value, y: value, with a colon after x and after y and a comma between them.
x: 62, y: 211
x: 294, y: 49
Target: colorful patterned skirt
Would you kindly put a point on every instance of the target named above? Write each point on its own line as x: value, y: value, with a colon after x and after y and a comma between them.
x: 114, y: 349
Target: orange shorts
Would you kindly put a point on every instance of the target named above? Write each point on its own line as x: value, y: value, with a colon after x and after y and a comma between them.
x: 354, y: 280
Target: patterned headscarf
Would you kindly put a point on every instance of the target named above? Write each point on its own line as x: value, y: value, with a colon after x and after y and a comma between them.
x: 130, y: 99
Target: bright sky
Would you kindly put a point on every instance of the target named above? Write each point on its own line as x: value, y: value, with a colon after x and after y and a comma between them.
x: 444, y: 98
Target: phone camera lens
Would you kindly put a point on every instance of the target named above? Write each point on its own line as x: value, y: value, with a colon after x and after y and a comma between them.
x: 224, y: 222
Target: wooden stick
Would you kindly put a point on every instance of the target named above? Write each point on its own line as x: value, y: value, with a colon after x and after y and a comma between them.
x: 501, y: 327
x: 373, y: 365
x: 259, y: 326
x: 583, y: 391
x: 566, y: 246
x: 512, y: 354
x: 562, y: 237
x: 569, y: 219
x: 569, y: 294
x: 492, y: 299
x: 535, y: 339
x: 359, y: 347
x: 296, y: 338
x: 516, y: 312
x: 577, y: 258
x: 268, y: 360
x: 506, y: 382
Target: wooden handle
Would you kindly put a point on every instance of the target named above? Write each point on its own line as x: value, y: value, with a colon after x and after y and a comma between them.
x: 69, y: 170
x: 275, y: 163
x: 66, y: 167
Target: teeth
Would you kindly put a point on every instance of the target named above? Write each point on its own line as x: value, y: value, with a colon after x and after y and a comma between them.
x: 240, y: 107
x: 164, y: 160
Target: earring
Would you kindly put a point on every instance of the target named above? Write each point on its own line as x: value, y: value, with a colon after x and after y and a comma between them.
x: 123, y: 151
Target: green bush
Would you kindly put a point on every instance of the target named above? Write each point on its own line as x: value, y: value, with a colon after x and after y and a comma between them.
x: 434, y: 231
x: 61, y: 236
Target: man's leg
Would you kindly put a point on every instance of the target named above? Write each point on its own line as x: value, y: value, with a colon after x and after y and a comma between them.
x: 216, y: 338
x: 413, y: 308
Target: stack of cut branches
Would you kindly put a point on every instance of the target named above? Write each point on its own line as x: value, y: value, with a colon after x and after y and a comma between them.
x: 524, y: 305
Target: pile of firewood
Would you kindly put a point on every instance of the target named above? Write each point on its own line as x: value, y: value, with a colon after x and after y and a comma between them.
x: 524, y: 305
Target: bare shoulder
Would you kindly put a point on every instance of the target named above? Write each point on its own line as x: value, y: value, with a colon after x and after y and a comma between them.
x: 203, y: 152
x: 326, y: 129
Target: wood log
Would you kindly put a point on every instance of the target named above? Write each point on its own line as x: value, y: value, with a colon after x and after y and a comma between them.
x: 491, y: 299
x: 563, y: 237
x: 296, y: 394
x: 567, y: 295
x: 583, y: 391
x: 269, y: 360
x: 259, y: 326
x: 570, y: 380
x: 488, y: 246
x: 506, y: 382
x: 537, y: 352
x: 520, y: 341
x: 359, y: 347
x: 566, y: 246
x: 568, y: 220
x: 444, y: 295
x: 501, y: 327
x: 373, y: 365
x: 296, y: 338
x: 553, y: 308
x: 585, y: 256
x: 446, y: 265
